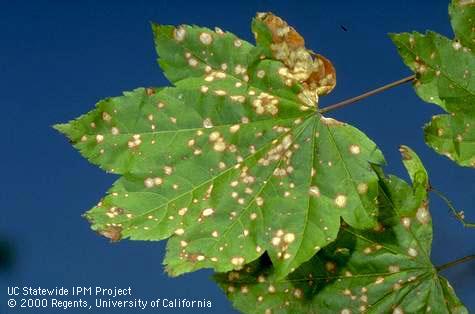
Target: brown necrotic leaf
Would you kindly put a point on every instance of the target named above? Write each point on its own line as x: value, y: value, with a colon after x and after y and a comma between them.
x: 228, y: 163
x: 282, y: 42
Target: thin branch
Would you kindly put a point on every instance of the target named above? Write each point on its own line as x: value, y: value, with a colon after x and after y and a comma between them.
x: 459, y: 215
x: 455, y: 262
x: 367, y: 94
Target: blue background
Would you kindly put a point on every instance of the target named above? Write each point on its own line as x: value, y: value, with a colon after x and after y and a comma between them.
x: 57, y: 58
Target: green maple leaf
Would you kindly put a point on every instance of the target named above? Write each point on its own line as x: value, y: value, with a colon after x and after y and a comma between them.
x: 385, y: 270
x: 232, y: 161
x: 444, y: 71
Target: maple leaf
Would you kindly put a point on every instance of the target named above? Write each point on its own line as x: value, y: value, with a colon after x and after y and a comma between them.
x: 385, y: 270
x: 232, y: 161
x: 444, y: 71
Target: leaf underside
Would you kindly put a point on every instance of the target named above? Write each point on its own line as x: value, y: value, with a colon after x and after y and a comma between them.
x: 444, y: 71
x: 234, y: 160
x: 384, y: 270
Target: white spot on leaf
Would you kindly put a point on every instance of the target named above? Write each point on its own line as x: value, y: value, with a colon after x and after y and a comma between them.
x: 340, y: 200
x: 355, y: 149
x: 207, y: 212
x: 206, y: 38
x: 179, y: 33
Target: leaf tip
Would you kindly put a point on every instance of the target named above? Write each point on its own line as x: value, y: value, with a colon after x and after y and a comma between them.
x: 155, y: 27
x: 414, y: 167
x: 169, y: 271
x: 392, y: 35
x: 61, y: 127
x: 406, y: 152
x: 113, y: 233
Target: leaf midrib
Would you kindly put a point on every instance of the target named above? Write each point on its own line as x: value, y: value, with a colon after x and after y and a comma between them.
x: 308, y: 196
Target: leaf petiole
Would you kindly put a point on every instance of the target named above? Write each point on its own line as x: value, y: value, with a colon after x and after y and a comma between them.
x: 367, y: 94
x: 455, y: 262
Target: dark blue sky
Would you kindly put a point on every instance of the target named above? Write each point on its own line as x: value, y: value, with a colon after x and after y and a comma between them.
x: 57, y: 58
